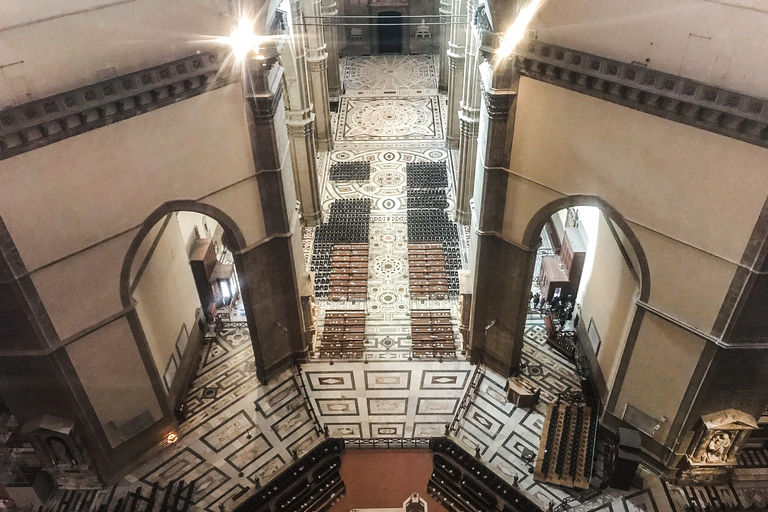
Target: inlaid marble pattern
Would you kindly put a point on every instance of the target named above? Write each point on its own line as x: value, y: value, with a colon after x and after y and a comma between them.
x: 390, y: 73
x: 246, y: 432
x: 376, y: 119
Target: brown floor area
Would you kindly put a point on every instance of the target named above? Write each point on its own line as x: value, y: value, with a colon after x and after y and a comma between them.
x: 384, y: 478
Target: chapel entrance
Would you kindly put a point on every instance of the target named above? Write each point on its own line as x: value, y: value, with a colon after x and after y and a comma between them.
x: 390, y: 32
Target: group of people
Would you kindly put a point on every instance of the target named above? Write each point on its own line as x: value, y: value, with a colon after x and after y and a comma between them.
x: 561, y: 309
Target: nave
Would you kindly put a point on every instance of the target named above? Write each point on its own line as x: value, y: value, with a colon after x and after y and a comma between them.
x: 240, y: 432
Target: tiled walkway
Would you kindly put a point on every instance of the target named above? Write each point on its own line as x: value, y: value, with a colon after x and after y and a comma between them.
x: 239, y: 431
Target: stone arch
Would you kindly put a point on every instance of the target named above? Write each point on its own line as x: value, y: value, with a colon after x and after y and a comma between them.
x: 536, y: 224
x: 234, y: 236
x: 236, y: 243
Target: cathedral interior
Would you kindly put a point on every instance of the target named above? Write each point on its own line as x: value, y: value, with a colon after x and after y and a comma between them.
x: 456, y: 255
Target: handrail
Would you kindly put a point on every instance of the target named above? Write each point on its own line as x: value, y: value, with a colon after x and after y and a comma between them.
x: 388, y: 442
x: 307, y: 399
x: 466, y: 400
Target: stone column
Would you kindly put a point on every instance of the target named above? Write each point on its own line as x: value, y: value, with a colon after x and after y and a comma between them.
x: 455, y: 53
x: 442, y: 48
x: 268, y: 267
x: 317, y: 65
x: 301, y: 124
x: 301, y: 132
x: 503, y: 269
x: 468, y: 121
x: 330, y: 35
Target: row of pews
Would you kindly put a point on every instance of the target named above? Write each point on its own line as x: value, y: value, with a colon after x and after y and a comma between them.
x: 349, y: 272
x: 426, y: 271
x: 432, y: 333
x: 343, y: 334
x: 566, y: 450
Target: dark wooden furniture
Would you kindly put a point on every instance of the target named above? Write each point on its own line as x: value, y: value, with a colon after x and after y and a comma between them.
x: 521, y: 392
x: 566, y: 450
x: 552, y: 277
x: 343, y: 334
x: 202, y: 260
x: 349, y: 272
x: 427, y: 271
x: 432, y: 333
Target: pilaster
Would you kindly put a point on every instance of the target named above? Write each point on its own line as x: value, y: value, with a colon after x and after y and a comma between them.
x: 317, y: 65
x: 468, y: 119
x: 445, y: 9
x: 332, y: 49
x: 268, y: 267
x: 301, y: 134
x: 456, y: 58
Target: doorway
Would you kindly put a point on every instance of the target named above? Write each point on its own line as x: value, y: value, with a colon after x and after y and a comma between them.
x: 390, y: 32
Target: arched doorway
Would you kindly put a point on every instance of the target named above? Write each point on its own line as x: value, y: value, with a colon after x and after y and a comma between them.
x: 390, y: 32
x: 181, y: 278
x: 589, y: 271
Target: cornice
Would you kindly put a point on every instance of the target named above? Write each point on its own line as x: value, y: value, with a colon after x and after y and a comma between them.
x: 42, y: 122
x: 673, y: 97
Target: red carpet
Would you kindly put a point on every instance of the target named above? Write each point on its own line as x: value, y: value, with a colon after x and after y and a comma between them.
x: 384, y: 478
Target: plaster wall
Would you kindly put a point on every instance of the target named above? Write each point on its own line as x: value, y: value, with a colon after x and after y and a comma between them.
x: 58, y: 46
x: 663, y: 177
x: 188, y: 221
x: 128, y: 390
x: 76, y: 205
x: 607, y: 299
x: 662, y: 364
x: 165, y: 295
x: 713, y: 41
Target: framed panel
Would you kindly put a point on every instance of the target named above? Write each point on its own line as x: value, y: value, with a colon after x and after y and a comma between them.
x: 337, y: 406
x: 387, y: 406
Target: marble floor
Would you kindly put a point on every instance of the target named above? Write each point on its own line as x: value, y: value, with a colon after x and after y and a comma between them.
x: 239, y: 432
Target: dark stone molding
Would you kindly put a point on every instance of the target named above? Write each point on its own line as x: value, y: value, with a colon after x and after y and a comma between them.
x: 498, y: 103
x: 31, y: 316
x: 494, y: 204
x: 705, y: 359
x: 672, y: 97
x: 754, y: 262
x: 231, y: 230
x: 502, y: 290
x: 264, y: 105
x: 42, y: 122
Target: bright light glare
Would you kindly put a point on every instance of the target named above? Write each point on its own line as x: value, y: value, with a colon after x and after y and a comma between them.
x: 243, y: 40
x: 517, y: 31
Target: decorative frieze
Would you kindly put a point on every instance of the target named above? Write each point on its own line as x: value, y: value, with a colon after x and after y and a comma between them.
x: 711, y: 108
x: 64, y: 115
x: 317, y: 64
x: 469, y: 127
x: 301, y: 130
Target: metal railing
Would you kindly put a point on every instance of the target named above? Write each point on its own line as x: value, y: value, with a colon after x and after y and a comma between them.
x: 466, y: 400
x: 298, y: 372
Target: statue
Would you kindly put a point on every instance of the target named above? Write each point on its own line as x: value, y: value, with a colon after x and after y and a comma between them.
x: 717, y: 449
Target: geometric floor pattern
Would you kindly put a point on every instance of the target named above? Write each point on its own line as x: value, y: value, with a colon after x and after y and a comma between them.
x: 240, y: 432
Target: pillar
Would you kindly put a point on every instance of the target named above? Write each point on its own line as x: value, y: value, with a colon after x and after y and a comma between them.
x: 317, y: 67
x: 268, y: 266
x: 503, y: 269
x: 301, y: 124
x: 455, y: 56
x: 304, y: 162
x: 446, y: 10
x: 468, y: 121
x: 330, y: 35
